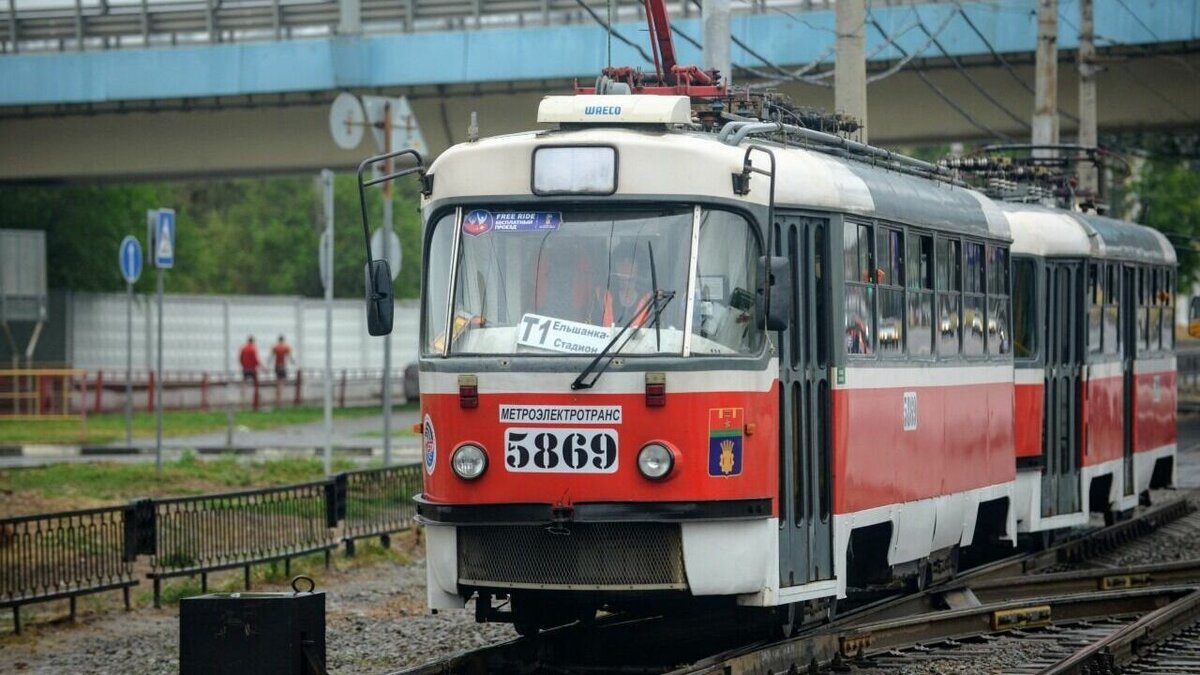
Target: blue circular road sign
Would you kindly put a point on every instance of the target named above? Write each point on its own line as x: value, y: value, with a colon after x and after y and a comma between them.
x: 131, y: 259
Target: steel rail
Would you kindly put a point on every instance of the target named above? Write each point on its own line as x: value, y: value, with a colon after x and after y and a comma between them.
x: 1122, y: 646
x: 835, y: 647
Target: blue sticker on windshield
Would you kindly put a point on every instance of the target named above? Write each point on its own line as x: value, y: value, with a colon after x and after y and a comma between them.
x: 480, y: 221
x: 515, y: 221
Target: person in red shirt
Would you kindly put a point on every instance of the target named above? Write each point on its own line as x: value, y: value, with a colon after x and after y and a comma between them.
x: 249, y: 360
x: 281, y: 353
x: 248, y: 357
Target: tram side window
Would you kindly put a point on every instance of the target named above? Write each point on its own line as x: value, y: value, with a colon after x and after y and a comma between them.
x: 889, y: 252
x: 1168, y: 310
x: 1143, y: 309
x: 1095, y: 307
x: 974, y: 288
x: 1112, y: 296
x: 860, y: 275
x: 919, y: 284
x: 999, y: 337
x: 1154, y: 316
x: 1024, y: 308
x: 948, y: 286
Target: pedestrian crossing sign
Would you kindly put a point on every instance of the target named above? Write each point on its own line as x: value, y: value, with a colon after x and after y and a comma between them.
x: 164, y: 239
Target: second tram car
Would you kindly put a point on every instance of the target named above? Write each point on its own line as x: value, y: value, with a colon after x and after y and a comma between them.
x: 659, y: 363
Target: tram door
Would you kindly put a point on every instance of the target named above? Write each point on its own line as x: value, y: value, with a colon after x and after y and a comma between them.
x: 805, y: 482
x: 1064, y: 361
x: 1128, y: 324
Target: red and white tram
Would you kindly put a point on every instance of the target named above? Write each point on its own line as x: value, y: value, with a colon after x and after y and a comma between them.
x: 661, y: 362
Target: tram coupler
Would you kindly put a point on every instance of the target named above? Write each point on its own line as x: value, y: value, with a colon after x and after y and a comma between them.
x: 561, y: 517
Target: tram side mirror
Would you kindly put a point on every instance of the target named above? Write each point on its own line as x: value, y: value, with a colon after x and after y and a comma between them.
x: 776, y: 313
x: 379, y: 297
x: 1194, y: 317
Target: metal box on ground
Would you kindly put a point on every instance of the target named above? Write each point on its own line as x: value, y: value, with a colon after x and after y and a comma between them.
x: 252, y: 633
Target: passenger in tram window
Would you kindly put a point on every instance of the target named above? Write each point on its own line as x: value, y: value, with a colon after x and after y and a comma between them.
x: 629, y: 289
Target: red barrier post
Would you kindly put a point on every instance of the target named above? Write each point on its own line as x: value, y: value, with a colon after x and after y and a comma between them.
x: 99, y: 391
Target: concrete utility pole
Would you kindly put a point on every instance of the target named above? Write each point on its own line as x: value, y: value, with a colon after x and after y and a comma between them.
x: 1089, y: 181
x: 716, y: 38
x: 349, y: 17
x: 850, y: 64
x: 1045, y: 98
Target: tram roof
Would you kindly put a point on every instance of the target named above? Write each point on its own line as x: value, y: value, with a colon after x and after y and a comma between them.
x: 1042, y: 231
x: 807, y: 179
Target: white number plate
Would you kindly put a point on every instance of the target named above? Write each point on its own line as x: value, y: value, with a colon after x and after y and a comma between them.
x: 560, y: 450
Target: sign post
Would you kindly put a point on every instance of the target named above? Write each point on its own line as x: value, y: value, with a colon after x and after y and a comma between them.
x: 163, y: 246
x: 326, y: 265
x: 131, y: 268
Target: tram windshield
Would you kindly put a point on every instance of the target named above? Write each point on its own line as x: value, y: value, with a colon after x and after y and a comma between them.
x: 564, y: 282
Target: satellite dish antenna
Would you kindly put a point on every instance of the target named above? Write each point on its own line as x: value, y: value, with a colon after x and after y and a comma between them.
x: 346, y: 121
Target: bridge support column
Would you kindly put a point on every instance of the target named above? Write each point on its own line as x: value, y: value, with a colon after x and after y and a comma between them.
x: 1045, y: 97
x: 349, y: 17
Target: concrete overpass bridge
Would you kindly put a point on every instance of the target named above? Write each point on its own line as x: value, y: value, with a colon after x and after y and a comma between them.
x: 131, y: 89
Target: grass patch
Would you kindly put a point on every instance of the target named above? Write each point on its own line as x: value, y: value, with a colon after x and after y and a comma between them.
x: 110, y: 427
x: 109, y: 482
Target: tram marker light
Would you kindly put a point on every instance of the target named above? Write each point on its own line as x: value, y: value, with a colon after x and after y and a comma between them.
x: 656, y: 390
x: 468, y: 391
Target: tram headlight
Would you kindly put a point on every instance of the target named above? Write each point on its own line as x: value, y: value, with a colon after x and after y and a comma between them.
x: 469, y: 461
x: 655, y: 461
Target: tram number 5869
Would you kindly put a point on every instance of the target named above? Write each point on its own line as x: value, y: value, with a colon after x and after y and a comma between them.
x: 560, y: 450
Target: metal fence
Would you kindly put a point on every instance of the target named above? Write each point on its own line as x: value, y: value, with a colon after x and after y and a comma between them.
x: 377, y: 503
x: 64, y: 555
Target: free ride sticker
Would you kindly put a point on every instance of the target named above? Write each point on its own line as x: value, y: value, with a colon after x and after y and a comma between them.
x: 560, y: 335
x: 542, y: 450
x: 482, y: 221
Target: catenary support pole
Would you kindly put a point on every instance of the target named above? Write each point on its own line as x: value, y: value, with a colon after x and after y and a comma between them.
x: 228, y: 351
x: 717, y: 38
x: 850, y: 64
x: 1088, y: 178
x: 1045, y: 97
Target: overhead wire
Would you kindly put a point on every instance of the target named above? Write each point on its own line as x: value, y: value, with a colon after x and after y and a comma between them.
x: 1132, y: 75
x: 974, y: 84
x: 942, y: 95
x: 891, y: 41
x: 612, y: 31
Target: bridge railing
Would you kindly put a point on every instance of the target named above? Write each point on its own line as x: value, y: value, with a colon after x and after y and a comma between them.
x: 104, y: 25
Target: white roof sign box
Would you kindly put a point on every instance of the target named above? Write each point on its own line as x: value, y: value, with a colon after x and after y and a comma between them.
x: 631, y: 109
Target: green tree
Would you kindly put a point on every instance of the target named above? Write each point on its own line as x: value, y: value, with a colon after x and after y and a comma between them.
x: 1169, y: 194
x: 243, y: 236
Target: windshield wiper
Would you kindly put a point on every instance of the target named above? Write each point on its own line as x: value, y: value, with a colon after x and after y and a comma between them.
x: 656, y: 302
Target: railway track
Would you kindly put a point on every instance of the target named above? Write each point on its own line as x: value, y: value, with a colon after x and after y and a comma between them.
x: 1057, y: 600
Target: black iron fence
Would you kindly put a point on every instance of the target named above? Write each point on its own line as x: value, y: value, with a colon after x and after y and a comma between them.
x: 64, y: 555
x: 377, y: 503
